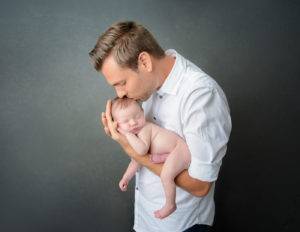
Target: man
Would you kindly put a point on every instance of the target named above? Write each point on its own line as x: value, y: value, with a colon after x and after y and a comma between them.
x: 178, y: 96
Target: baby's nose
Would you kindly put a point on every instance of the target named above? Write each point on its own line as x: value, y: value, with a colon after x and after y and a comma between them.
x: 132, y: 122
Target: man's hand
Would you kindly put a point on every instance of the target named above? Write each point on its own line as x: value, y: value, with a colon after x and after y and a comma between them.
x: 110, y: 127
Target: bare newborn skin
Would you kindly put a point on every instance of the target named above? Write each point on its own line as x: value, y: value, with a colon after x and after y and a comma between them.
x: 146, y: 137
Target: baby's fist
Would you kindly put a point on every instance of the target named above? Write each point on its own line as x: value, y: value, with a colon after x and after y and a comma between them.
x: 123, y: 185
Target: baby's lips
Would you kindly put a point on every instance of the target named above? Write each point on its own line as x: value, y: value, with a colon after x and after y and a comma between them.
x: 136, y: 129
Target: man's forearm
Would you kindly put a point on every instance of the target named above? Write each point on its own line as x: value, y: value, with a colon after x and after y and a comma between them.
x: 184, y: 180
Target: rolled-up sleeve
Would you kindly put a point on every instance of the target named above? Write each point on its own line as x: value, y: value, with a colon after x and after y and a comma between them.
x: 206, y: 128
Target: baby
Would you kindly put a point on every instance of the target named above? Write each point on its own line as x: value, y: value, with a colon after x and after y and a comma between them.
x: 147, y: 137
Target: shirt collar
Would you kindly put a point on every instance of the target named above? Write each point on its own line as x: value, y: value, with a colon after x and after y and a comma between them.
x: 171, y: 84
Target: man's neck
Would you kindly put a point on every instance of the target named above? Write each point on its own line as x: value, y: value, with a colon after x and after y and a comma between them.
x: 164, y: 67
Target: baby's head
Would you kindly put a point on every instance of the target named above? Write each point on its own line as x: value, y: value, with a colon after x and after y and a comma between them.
x: 129, y: 114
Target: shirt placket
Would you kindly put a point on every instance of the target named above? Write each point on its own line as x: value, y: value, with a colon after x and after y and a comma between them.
x: 156, y: 108
x: 137, y: 199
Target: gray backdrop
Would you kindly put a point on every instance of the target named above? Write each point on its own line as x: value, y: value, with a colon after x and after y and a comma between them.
x: 58, y: 169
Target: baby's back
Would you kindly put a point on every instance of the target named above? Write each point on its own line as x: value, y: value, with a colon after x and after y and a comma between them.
x: 162, y: 140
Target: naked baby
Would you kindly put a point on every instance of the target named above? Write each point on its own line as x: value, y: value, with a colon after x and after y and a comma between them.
x: 146, y: 137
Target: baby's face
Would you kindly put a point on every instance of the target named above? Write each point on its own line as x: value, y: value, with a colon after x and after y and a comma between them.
x: 130, y: 119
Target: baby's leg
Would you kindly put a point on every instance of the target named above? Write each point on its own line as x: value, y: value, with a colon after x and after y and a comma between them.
x: 178, y: 160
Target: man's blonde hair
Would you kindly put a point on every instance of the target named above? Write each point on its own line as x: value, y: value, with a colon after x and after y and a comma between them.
x: 125, y: 40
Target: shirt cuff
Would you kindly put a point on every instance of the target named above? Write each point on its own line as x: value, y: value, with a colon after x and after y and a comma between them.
x: 204, y: 171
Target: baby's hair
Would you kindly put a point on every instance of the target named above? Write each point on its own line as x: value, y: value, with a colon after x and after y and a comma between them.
x: 122, y: 103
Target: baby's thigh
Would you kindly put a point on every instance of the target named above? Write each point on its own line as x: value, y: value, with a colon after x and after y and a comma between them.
x: 182, y: 153
x: 167, y: 142
x: 178, y: 160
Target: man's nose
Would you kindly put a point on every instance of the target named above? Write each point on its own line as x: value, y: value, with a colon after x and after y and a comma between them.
x: 121, y: 93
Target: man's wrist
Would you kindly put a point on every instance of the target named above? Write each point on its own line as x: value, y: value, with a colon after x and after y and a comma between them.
x: 127, y: 148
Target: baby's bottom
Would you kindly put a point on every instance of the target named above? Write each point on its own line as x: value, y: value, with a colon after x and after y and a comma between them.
x: 178, y: 160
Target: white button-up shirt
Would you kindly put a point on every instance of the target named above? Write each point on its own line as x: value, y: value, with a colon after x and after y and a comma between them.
x: 193, y: 105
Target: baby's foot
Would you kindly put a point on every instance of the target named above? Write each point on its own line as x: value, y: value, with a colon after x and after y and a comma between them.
x: 158, y: 158
x: 165, y: 211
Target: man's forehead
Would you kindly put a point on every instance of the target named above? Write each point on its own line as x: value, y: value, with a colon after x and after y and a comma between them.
x: 112, y: 71
x: 109, y: 63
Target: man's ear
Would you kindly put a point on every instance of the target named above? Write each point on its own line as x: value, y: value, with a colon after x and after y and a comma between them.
x: 144, y: 62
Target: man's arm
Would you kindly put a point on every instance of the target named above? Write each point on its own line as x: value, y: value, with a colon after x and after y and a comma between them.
x: 184, y: 180
x: 193, y: 186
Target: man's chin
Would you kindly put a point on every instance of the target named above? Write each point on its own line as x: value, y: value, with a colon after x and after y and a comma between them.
x: 143, y: 99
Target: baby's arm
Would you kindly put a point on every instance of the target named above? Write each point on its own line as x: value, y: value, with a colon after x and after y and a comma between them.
x: 141, y: 142
x: 131, y: 170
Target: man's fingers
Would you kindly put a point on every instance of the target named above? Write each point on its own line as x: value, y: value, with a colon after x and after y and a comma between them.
x: 104, y: 122
x: 112, y: 126
x: 107, y: 131
x: 108, y: 116
x: 108, y: 111
x: 115, y: 125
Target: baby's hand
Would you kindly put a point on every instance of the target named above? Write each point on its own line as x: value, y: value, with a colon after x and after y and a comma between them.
x: 123, y: 185
x: 122, y: 131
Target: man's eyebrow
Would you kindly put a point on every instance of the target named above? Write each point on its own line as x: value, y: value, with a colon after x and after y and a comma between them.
x: 116, y: 83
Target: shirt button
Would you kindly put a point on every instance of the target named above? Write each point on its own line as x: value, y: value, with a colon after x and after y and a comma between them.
x: 160, y: 97
x: 137, y: 188
x: 154, y: 118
